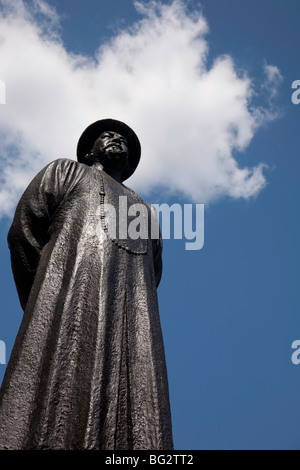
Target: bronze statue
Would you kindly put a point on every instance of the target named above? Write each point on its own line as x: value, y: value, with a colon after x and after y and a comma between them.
x: 87, y: 370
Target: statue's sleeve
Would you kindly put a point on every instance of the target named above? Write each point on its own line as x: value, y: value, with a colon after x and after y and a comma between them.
x: 157, y: 246
x: 28, y: 233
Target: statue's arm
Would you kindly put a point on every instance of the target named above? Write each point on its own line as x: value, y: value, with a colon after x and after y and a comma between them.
x: 157, y: 247
x: 158, y: 262
x: 28, y: 233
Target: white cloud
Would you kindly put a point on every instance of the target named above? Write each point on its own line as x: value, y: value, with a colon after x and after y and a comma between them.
x: 273, y: 79
x: 191, y: 119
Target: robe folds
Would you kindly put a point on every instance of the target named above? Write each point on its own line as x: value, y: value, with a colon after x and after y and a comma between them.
x: 88, y: 368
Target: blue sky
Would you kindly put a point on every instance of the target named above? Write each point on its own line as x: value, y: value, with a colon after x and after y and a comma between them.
x: 229, y: 312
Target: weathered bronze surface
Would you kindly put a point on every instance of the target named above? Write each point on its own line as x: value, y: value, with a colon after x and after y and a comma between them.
x: 88, y: 369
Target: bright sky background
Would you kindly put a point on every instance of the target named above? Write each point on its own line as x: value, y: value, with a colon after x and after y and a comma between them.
x: 207, y: 87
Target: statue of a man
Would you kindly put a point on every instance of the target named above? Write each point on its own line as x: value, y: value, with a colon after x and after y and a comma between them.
x: 87, y: 370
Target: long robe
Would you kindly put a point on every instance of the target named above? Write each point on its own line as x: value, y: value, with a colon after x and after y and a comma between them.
x: 88, y: 369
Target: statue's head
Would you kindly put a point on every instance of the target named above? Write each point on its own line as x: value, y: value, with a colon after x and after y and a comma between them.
x: 113, y: 144
x: 111, y: 150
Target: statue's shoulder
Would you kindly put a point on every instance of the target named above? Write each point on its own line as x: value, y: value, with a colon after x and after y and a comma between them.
x: 63, y: 170
x: 65, y: 162
x: 67, y: 165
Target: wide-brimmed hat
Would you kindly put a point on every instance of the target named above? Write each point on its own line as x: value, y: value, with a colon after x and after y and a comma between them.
x: 93, y: 131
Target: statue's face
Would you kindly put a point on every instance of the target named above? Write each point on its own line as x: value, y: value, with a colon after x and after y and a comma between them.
x: 111, y: 143
x: 111, y: 150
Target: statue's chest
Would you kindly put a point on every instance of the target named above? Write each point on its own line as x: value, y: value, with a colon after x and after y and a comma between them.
x: 119, y: 214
